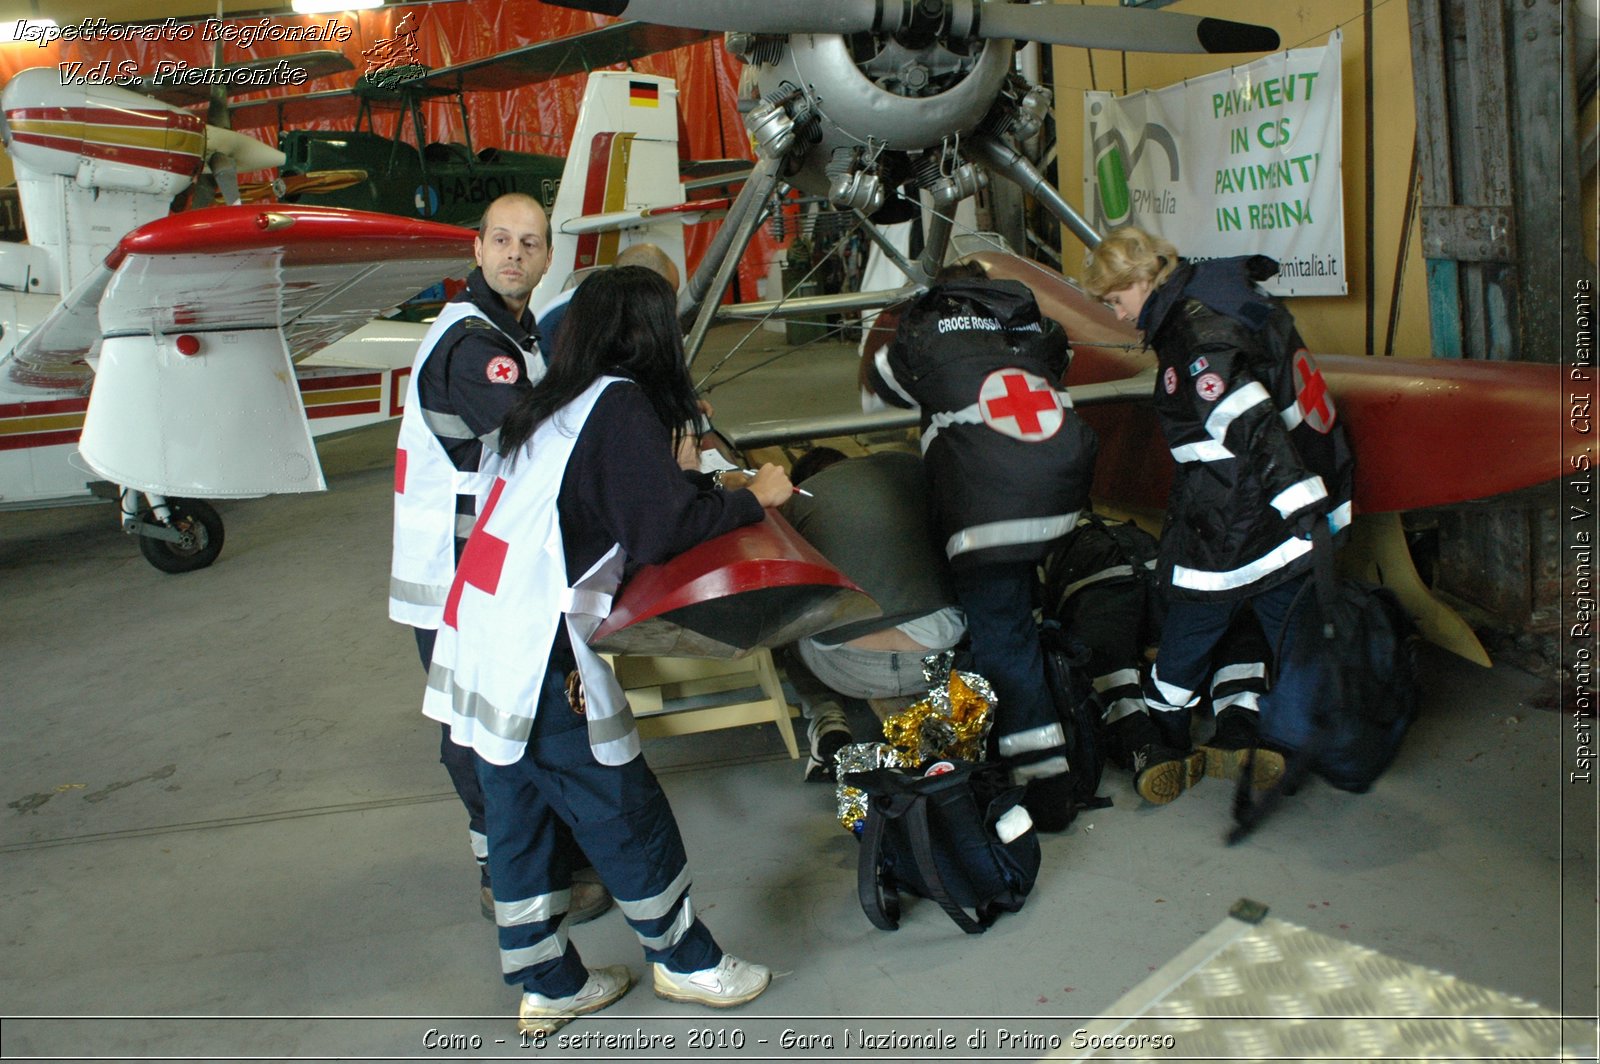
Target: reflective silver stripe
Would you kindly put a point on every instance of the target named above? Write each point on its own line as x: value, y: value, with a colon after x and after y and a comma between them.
x: 418, y: 594
x: 969, y: 415
x: 512, y: 727
x: 1239, y: 699
x: 1292, y: 415
x: 880, y: 362
x: 1254, y: 670
x: 1050, y: 766
x: 1095, y: 578
x: 1295, y: 496
x: 480, y: 845
x: 617, y: 751
x: 1204, y: 451
x: 1120, y: 678
x: 464, y: 523
x: 546, y: 949
x: 654, y: 908
x: 610, y: 729
x: 491, y: 441
x: 536, y: 909
x: 1123, y: 707
x: 1264, y: 566
x: 1171, y: 697
x: 1007, y: 533
x: 442, y: 424
x: 673, y: 934
x: 1251, y: 395
x: 1339, y: 516
x: 1041, y: 738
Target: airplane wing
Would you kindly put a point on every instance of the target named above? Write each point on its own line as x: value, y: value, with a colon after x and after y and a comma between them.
x: 577, y: 53
x: 193, y: 325
x: 1410, y: 420
x: 296, y: 110
x: 544, y: 61
x: 691, y: 213
x: 724, y: 174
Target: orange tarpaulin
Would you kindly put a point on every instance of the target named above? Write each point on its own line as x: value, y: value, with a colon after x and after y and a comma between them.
x: 536, y: 118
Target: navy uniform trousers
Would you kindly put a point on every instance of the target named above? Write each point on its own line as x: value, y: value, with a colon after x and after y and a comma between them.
x: 621, y: 819
x: 458, y: 762
x: 1026, y: 732
x: 1194, y: 635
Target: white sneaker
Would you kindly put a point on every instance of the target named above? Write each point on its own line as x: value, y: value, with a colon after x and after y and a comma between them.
x: 542, y: 1015
x: 732, y: 982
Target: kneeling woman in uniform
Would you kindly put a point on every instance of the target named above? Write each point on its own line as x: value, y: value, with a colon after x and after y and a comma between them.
x: 588, y: 483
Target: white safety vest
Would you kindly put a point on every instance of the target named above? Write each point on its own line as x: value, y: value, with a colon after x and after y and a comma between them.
x: 493, y: 646
x: 426, y: 484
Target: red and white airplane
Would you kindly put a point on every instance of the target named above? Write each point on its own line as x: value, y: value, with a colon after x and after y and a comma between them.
x: 172, y: 358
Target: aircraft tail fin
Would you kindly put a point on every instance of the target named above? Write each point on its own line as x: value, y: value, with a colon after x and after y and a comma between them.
x: 624, y: 157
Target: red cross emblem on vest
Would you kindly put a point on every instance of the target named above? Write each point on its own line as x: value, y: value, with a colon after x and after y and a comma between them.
x: 1311, y: 393
x: 481, y: 561
x: 502, y: 370
x: 1020, y: 404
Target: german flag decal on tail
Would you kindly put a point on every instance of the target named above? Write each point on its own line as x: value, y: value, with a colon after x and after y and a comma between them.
x: 644, y: 94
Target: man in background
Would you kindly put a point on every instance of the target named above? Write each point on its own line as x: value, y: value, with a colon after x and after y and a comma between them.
x: 480, y: 357
x: 649, y: 256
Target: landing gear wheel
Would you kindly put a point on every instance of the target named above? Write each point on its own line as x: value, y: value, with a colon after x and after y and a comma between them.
x: 203, y: 527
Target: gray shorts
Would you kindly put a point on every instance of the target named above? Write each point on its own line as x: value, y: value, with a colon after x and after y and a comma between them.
x: 865, y: 674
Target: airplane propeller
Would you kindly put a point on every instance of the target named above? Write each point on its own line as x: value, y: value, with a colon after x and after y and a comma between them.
x: 227, y: 155
x: 1085, y: 27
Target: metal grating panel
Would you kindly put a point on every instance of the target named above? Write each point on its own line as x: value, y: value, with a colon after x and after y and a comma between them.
x: 1276, y: 991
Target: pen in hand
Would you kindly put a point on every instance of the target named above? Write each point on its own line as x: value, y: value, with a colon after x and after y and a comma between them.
x: 797, y: 491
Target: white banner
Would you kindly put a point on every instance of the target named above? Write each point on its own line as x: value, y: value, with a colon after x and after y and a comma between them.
x: 1245, y: 161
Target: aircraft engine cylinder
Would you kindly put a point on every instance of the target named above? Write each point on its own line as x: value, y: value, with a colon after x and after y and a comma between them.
x: 772, y: 129
x: 965, y: 180
x: 754, y: 49
x: 862, y: 112
x: 860, y: 190
x: 1031, y: 113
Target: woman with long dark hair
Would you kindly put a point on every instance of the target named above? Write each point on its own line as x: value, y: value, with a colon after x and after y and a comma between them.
x: 589, y: 484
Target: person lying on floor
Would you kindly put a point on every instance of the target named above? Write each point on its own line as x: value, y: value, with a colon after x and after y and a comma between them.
x: 869, y: 516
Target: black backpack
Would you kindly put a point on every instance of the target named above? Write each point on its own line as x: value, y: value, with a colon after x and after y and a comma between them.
x: 1099, y: 585
x: 1099, y: 611
x: 961, y: 838
x: 1344, y: 691
x: 1066, y: 668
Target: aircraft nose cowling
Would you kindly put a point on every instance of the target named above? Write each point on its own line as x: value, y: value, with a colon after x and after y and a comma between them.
x: 102, y: 136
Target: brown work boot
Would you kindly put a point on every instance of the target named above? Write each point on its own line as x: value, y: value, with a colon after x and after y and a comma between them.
x: 1161, y: 773
x: 590, y: 898
x: 1233, y: 744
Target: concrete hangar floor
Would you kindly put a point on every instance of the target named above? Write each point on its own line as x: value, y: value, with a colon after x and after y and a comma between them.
x: 225, y: 833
